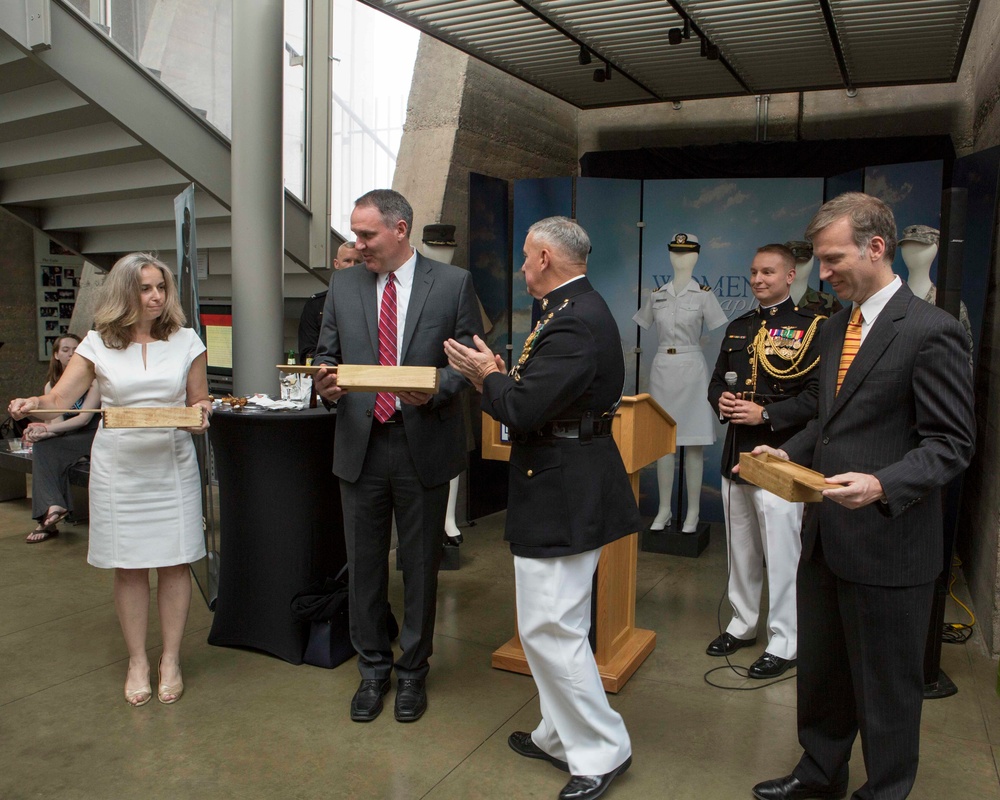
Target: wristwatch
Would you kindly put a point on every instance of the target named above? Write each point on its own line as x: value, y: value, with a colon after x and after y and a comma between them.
x: 765, y: 417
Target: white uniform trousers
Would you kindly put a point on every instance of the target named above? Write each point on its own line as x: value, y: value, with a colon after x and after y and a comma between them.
x: 553, y: 619
x: 762, y: 528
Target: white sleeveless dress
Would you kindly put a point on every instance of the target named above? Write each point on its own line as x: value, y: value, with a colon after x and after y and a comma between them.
x: 145, y: 489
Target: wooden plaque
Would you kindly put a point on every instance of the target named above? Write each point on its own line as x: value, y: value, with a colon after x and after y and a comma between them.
x: 375, y: 378
x: 157, y: 417
x: 788, y: 480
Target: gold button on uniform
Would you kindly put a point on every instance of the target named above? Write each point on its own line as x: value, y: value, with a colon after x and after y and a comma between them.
x: 531, y: 472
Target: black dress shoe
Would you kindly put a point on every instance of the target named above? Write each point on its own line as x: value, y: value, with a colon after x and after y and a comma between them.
x: 791, y: 788
x: 727, y: 644
x: 367, y: 701
x: 453, y: 541
x: 411, y: 700
x: 522, y: 744
x: 768, y: 666
x: 587, y: 787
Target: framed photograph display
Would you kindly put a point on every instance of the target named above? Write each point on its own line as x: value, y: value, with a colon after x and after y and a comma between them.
x: 57, y: 283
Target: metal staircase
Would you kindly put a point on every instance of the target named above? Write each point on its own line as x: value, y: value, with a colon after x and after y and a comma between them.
x: 93, y: 147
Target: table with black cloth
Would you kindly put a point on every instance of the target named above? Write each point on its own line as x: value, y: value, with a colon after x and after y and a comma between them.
x: 281, y: 521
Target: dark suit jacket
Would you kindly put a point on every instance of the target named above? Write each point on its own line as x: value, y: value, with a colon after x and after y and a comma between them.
x: 565, y: 496
x: 309, y: 324
x: 442, y: 305
x: 904, y: 414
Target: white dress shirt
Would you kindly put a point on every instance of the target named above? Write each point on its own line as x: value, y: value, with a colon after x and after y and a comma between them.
x: 872, y: 307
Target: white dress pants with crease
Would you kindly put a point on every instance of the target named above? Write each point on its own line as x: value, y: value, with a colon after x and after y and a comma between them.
x: 763, y: 528
x: 553, y: 619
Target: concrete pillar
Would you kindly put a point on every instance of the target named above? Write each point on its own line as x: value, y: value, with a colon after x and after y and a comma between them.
x: 258, y: 195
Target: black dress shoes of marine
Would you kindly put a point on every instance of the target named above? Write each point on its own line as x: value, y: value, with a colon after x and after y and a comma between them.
x: 522, y: 744
x: 411, y: 700
x: 768, y: 666
x: 791, y: 788
x: 587, y: 787
x: 367, y: 701
x: 727, y: 644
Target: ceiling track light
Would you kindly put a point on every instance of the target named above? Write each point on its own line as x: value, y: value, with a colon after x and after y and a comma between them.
x: 584, y: 57
x: 709, y: 50
x: 601, y: 75
x: 677, y: 35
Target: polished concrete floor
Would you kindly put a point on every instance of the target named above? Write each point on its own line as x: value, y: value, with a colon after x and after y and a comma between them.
x: 251, y: 726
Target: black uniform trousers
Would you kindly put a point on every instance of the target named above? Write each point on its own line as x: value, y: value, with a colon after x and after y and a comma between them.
x: 388, y: 483
x: 860, y: 667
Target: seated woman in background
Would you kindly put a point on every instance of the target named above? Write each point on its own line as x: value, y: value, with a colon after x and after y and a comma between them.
x: 56, y: 446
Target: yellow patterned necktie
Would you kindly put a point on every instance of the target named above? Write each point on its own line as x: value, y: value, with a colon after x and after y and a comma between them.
x: 852, y: 343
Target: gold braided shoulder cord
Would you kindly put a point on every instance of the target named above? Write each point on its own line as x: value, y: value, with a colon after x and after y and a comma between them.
x: 529, y: 343
x: 763, y: 340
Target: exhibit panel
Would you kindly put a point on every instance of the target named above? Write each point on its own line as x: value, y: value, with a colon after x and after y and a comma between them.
x: 730, y: 219
x: 913, y: 192
x: 610, y: 210
x: 534, y: 199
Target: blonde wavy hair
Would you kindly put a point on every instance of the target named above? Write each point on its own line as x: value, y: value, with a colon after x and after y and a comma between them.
x: 120, y: 305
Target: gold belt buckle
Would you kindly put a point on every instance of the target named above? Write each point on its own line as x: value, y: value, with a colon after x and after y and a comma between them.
x: 672, y: 351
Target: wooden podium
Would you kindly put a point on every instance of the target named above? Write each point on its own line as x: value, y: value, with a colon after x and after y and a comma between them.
x: 643, y: 432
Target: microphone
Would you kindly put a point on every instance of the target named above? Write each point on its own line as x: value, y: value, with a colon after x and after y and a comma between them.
x: 730, y: 378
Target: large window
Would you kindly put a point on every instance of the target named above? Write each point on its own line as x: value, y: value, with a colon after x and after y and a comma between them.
x: 372, y: 71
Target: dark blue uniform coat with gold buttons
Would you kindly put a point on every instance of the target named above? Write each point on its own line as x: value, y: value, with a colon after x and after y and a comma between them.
x: 790, y: 401
x: 566, y: 496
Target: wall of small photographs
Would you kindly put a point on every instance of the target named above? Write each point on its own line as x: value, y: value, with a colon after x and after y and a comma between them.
x: 57, y: 284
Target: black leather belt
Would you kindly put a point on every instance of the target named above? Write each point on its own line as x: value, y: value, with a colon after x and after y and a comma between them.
x: 584, y: 429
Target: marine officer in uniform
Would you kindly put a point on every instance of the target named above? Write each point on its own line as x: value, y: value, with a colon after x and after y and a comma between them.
x: 772, y: 351
x: 312, y: 312
x: 569, y: 496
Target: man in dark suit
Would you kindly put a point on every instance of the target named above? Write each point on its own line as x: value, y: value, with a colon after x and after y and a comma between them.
x: 312, y: 311
x: 895, y: 425
x: 394, y: 454
x: 569, y: 496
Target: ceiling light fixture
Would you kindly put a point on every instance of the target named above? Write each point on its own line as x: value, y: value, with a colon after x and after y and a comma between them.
x: 584, y: 57
x: 676, y: 35
x: 601, y: 75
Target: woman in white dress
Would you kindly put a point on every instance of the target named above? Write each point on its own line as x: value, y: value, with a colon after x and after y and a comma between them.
x: 145, y: 489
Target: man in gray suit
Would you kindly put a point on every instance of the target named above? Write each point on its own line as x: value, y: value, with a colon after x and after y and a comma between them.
x: 895, y: 425
x: 394, y: 453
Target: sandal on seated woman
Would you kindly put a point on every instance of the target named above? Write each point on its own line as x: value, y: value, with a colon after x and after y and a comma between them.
x: 47, y: 526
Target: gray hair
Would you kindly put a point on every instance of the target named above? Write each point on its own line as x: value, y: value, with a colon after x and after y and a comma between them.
x: 390, y: 204
x: 869, y: 217
x: 565, y: 234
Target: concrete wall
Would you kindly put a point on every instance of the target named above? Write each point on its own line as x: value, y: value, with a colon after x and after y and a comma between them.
x: 465, y: 116
x: 21, y: 374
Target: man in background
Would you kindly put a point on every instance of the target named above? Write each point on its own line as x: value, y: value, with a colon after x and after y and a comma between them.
x: 312, y: 311
x: 772, y: 353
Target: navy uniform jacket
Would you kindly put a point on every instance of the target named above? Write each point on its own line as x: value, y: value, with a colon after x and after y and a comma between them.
x: 790, y: 401
x: 566, y: 496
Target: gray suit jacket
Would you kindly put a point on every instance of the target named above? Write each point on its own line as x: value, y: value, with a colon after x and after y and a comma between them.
x: 905, y: 414
x: 442, y: 305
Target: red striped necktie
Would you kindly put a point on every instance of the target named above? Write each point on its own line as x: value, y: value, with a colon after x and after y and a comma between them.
x: 852, y: 343
x: 385, y: 402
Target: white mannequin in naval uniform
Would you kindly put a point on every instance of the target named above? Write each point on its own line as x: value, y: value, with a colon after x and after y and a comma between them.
x: 919, y: 247
x: 678, y: 379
